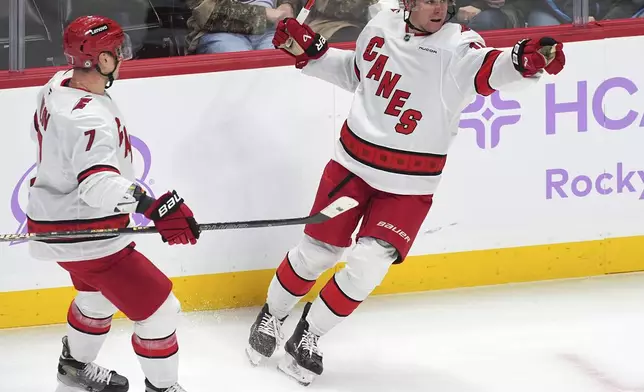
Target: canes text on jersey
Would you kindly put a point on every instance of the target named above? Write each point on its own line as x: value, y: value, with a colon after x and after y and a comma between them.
x: 410, y: 117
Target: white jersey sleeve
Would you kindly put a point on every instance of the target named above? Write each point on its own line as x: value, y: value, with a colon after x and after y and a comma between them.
x: 93, y: 147
x: 337, y: 66
x: 478, y: 69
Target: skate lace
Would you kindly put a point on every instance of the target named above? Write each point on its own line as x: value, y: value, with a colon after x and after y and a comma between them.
x: 309, y: 342
x: 271, y: 327
x: 97, y: 373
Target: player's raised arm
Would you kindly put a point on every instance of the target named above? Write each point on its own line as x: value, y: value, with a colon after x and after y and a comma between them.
x: 315, y: 58
x: 481, y: 70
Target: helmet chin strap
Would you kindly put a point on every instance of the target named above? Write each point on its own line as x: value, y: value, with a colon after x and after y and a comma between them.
x: 109, y: 76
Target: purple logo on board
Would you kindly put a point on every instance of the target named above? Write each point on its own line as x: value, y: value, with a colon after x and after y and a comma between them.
x: 599, y: 105
x: 561, y: 183
x: 494, y: 118
x: 611, y: 115
x: 139, y: 220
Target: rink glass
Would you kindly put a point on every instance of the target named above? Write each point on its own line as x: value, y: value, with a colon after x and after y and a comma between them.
x: 31, y: 30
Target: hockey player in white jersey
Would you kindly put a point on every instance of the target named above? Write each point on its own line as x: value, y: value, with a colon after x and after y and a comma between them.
x: 412, y: 74
x: 85, y: 180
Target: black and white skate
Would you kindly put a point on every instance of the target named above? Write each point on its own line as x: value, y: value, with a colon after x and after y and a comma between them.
x: 265, y: 336
x: 303, y: 359
x: 174, y: 388
x: 74, y: 376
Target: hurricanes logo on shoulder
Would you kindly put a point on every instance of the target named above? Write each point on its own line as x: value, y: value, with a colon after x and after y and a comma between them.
x: 476, y: 45
x: 82, y: 103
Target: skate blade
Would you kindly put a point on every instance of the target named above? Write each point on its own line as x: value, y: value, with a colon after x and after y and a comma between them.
x: 254, y: 357
x: 289, y: 366
x: 66, y: 388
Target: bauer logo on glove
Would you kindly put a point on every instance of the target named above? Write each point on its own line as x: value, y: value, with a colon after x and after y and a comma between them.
x: 169, y: 204
x: 530, y: 56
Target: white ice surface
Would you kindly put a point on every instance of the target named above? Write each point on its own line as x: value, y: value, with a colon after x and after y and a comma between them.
x: 582, y: 335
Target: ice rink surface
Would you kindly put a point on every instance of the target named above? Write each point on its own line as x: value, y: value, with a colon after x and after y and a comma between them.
x: 583, y: 335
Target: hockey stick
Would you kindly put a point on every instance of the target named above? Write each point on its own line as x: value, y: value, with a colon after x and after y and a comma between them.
x: 301, y: 17
x: 334, y: 209
x: 304, y: 12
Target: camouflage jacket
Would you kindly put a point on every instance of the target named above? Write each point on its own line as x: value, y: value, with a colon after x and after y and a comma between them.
x: 211, y: 16
x: 329, y: 16
x: 346, y: 10
x: 228, y: 16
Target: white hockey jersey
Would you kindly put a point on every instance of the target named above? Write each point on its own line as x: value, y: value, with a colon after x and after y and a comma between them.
x: 84, y: 169
x: 409, y: 92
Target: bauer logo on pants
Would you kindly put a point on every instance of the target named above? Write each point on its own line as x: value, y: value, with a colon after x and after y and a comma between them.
x: 492, y: 121
x: 20, y: 191
x: 396, y: 230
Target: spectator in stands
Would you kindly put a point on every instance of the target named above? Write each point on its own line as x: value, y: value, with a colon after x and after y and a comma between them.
x: 218, y: 26
x: 624, y: 9
x: 342, y: 20
x: 482, y: 15
x: 556, y: 12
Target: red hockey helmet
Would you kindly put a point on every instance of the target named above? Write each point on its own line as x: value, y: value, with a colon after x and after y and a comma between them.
x: 88, y: 36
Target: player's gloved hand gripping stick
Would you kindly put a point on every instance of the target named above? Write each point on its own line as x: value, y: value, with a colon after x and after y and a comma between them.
x: 298, y: 40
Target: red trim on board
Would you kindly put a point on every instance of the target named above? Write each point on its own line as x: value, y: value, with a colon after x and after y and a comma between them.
x: 168, y: 66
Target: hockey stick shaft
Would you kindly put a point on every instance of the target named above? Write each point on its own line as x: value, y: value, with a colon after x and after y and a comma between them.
x: 334, y: 209
x: 301, y: 17
x: 304, y: 12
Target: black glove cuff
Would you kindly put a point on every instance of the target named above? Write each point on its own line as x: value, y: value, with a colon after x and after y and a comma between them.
x: 318, y: 46
x: 145, y: 202
x: 517, y: 54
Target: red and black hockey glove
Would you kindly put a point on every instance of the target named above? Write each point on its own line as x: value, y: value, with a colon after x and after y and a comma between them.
x: 300, y: 41
x: 173, y: 219
x: 530, y: 56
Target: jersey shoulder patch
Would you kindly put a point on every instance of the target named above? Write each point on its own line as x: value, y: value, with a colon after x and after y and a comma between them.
x: 477, y: 45
x: 82, y: 103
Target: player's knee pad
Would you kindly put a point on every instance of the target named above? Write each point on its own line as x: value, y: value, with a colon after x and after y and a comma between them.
x: 90, y: 319
x: 155, y: 343
x: 367, y: 265
x: 93, y: 304
x: 312, y: 257
x: 163, y: 322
